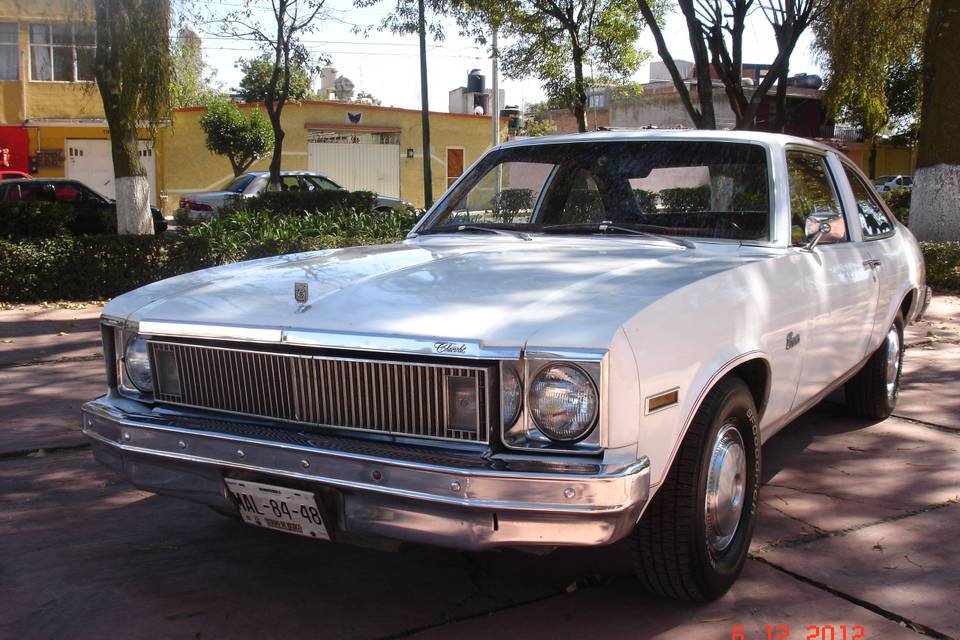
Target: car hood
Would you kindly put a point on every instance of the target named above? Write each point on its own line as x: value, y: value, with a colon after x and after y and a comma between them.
x: 556, y: 291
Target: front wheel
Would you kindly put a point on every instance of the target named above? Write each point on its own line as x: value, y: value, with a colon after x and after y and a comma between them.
x: 872, y: 393
x: 692, y: 542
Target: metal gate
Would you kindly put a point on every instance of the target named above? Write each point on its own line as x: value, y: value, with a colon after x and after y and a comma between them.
x: 369, y: 167
x: 91, y: 162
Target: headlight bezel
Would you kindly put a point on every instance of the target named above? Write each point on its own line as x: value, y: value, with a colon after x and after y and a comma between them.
x: 591, y: 388
x: 123, y: 338
x: 525, y: 435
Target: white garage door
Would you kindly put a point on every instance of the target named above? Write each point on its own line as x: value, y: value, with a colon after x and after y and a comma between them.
x: 369, y: 167
x: 91, y: 162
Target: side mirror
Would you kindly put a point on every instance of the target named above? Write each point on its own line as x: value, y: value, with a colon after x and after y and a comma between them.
x: 818, y: 227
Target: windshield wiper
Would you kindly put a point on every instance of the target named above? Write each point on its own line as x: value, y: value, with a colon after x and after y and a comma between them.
x: 605, y: 226
x: 513, y: 233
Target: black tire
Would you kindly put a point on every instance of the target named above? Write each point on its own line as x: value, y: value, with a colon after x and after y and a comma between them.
x: 867, y: 393
x: 673, y: 557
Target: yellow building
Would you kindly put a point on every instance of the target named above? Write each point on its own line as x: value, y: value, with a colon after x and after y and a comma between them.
x: 359, y: 146
x: 52, y: 123
x: 51, y: 116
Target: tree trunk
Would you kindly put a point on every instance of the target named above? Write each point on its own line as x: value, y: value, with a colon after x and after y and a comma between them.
x: 579, y: 90
x: 130, y: 176
x: 935, y: 203
x: 872, y: 161
x: 780, y: 123
x: 277, y: 156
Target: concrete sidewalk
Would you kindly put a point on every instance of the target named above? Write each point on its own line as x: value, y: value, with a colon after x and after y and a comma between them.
x: 857, y: 529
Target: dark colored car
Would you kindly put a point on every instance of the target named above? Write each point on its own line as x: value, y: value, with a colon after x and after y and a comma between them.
x: 87, y: 204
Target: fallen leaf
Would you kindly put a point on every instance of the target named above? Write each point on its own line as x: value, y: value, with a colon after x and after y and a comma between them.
x: 724, y: 619
x: 62, y: 333
x: 7, y: 340
x: 73, y: 427
x: 857, y: 449
x: 39, y: 453
x: 907, y: 558
x: 571, y: 587
x: 878, y: 546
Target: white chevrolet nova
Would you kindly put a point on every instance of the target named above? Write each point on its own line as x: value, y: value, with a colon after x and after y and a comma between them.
x: 586, y: 339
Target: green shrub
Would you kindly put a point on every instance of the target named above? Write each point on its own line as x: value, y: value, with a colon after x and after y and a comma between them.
x: 97, y: 267
x: 246, y: 234
x: 685, y: 199
x: 33, y: 220
x: 899, y: 202
x: 93, y: 267
x: 301, y: 202
x: 943, y: 265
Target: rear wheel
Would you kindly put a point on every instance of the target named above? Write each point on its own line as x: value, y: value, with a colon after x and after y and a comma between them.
x: 872, y: 393
x: 692, y: 541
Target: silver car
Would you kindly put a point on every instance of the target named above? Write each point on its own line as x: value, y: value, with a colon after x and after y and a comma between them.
x: 248, y: 185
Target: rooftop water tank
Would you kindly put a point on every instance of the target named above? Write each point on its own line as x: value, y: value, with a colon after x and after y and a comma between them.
x: 475, y: 81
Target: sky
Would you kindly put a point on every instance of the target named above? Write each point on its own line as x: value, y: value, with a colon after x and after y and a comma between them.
x: 387, y: 65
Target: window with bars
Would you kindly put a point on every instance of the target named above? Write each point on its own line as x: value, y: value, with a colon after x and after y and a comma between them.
x: 9, y: 51
x: 62, y: 52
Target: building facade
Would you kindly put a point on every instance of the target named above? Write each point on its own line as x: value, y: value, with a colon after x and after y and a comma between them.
x: 359, y: 146
x: 51, y: 116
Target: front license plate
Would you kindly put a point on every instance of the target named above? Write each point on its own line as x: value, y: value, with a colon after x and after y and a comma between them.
x: 279, y: 508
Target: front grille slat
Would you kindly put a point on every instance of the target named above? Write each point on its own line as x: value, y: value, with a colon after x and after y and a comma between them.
x: 403, y: 398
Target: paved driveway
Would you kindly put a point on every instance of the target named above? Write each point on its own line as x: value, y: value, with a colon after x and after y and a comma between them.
x: 857, y: 529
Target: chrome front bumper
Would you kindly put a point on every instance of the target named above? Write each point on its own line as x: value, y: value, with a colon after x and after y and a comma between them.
x: 381, y: 490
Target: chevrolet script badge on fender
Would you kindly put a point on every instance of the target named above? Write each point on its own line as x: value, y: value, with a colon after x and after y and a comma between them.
x: 449, y: 347
x: 300, y: 292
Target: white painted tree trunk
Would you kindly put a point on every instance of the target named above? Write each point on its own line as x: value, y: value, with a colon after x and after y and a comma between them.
x: 133, y: 205
x: 935, y: 203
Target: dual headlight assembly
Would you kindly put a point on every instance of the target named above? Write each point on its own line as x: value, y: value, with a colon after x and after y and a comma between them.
x: 562, y: 406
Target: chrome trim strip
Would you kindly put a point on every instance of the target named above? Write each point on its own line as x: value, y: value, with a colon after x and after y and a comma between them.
x: 612, y: 490
x: 396, y: 344
x: 577, y: 355
x: 213, y: 331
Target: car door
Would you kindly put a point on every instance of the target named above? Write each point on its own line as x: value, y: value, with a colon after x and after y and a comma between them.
x: 880, y: 248
x: 833, y: 273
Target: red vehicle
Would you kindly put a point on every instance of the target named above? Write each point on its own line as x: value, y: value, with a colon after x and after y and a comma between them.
x: 13, y: 175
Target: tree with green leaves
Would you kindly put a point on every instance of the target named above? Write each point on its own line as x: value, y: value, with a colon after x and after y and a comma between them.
x: 189, y: 80
x: 258, y: 72
x: 935, y: 205
x: 870, y: 50
x: 242, y: 139
x: 562, y: 42
x: 279, y: 35
x: 132, y: 69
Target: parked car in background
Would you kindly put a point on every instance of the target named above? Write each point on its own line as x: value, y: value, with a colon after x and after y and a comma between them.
x: 88, y: 205
x: 208, y: 203
x: 889, y: 183
x: 586, y: 339
x: 13, y: 175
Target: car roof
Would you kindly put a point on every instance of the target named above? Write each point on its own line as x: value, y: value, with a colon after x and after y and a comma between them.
x: 286, y: 172
x: 625, y: 135
x: 31, y: 180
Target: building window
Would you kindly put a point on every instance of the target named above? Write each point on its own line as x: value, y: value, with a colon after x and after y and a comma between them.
x: 62, y: 52
x: 9, y: 51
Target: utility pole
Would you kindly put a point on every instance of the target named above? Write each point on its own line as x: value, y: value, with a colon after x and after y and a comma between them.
x: 425, y: 110
x: 495, y: 97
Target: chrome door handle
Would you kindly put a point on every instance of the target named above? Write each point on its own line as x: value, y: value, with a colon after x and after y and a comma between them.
x: 871, y: 264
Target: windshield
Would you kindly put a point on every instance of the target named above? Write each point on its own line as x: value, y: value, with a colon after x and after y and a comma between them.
x: 238, y: 185
x: 702, y: 189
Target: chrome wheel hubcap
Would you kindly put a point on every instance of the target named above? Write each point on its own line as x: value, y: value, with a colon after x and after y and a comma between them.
x: 726, y: 488
x: 893, y: 363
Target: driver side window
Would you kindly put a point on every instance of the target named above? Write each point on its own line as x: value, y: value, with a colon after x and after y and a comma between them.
x: 812, y: 194
x: 583, y: 203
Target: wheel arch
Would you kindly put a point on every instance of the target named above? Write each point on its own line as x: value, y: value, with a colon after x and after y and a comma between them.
x: 753, y: 368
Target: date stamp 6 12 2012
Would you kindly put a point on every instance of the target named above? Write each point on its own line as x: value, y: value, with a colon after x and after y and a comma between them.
x: 807, y: 632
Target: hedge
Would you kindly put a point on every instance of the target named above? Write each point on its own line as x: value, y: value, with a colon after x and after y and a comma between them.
x: 33, y: 220
x: 303, y: 202
x: 899, y: 202
x: 98, y: 267
x: 943, y: 265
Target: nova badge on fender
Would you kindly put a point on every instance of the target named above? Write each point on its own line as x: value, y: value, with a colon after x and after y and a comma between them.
x: 300, y: 292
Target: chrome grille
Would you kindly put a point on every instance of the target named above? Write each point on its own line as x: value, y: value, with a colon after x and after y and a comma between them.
x: 401, y: 398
